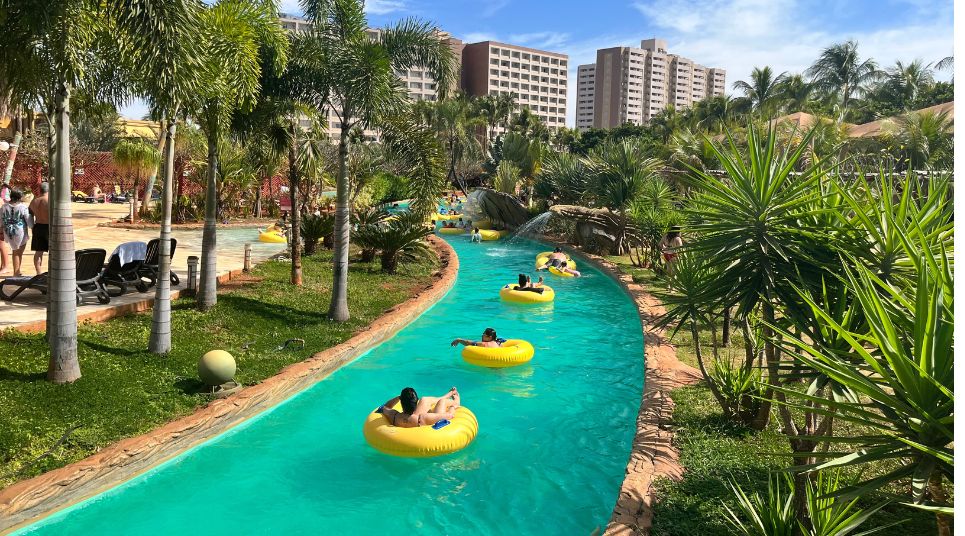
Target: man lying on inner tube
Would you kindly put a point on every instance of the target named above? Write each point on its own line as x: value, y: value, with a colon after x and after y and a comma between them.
x: 424, y: 411
x: 489, y: 340
x: 557, y: 260
x: 526, y: 284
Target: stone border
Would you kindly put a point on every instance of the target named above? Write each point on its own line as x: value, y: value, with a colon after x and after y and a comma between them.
x: 652, y: 455
x: 30, y: 500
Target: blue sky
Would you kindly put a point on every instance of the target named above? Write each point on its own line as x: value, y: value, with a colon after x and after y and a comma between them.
x: 734, y: 34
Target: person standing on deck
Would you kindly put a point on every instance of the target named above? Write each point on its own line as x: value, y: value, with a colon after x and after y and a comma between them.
x: 40, y: 209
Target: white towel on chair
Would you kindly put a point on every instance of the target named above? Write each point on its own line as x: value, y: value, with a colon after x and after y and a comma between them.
x: 130, y: 252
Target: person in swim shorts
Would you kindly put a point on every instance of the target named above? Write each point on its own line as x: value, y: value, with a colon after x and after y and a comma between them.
x: 558, y: 260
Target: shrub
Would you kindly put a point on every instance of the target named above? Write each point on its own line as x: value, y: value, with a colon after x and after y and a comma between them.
x: 315, y: 228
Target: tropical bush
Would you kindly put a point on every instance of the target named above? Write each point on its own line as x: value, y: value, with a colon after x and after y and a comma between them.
x: 315, y: 228
x: 398, y: 240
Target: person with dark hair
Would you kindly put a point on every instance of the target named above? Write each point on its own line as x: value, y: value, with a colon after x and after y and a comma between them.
x: 526, y: 284
x: 14, y: 216
x: 416, y: 411
x: 489, y: 340
x: 669, y: 246
x: 475, y: 235
x: 40, y: 209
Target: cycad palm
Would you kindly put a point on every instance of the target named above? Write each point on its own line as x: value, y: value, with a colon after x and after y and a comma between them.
x: 364, y: 92
x: 237, y: 35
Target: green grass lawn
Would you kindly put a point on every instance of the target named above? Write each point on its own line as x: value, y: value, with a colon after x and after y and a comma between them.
x: 126, y: 391
x: 714, y: 450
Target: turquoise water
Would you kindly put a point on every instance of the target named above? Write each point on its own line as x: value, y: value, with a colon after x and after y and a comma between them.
x: 553, y: 442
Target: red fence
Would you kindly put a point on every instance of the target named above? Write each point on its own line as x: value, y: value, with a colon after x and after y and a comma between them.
x: 90, y: 169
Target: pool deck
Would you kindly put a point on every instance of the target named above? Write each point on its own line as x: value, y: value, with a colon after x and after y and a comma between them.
x: 28, y: 312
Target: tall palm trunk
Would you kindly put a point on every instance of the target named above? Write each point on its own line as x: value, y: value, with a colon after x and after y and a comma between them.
x: 62, y: 292
x: 256, y: 212
x: 293, y: 179
x: 338, y: 310
x: 149, y: 189
x: 208, y: 286
x: 160, y: 341
x: 8, y: 173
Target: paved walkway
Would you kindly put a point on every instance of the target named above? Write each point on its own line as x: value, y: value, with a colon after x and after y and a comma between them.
x: 31, y: 305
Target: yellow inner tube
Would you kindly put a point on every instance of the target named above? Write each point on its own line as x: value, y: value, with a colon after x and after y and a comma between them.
x: 451, y: 230
x: 423, y: 441
x: 513, y: 352
x: 272, y: 236
x: 510, y: 294
x: 544, y: 256
x: 447, y: 217
x: 489, y: 234
x: 482, y: 224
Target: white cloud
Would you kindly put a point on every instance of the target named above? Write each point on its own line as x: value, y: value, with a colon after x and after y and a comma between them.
x: 382, y: 7
x: 547, y: 40
x: 492, y: 7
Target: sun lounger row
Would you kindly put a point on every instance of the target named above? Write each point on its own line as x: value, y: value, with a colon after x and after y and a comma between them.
x: 131, y: 264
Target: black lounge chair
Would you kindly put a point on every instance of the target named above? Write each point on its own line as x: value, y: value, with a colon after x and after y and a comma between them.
x: 121, y: 276
x: 149, y: 270
x: 89, y: 265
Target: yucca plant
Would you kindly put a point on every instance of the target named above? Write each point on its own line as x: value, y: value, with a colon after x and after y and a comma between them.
x: 315, y: 228
x: 740, y: 388
x: 770, y: 515
x: 398, y: 240
x: 900, y: 372
x: 773, y: 514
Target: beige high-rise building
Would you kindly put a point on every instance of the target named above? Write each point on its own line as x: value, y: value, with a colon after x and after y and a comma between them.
x: 631, y: 85
x: 585, y: 87
x: 537, y: 77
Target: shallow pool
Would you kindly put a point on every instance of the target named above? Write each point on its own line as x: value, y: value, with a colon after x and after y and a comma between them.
x: 552, y: 447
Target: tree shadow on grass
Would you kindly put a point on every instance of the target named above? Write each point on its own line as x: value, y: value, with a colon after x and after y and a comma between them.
x: 112, y: 350
x: 16, y: 375
x: 191, y: 386
x: 717, y: 424
x: 272, y: 311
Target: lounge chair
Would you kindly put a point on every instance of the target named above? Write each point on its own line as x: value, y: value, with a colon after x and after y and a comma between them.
x: 149, y: 270
x: 89, y: 265
x: 121, y: 274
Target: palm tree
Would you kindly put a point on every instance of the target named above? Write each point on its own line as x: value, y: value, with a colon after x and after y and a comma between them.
x: 364, y: 93
x: 762, y: 89
x: 62, y: 46
x: 497, y: 109
x: 840, y: 74
x: 237, y: 36
x: 455, y: 122
x: 903, y: 82
x: 136, y: 158
x: 562, y: 178
x: 507, y: 178
x: 619, y: 171
x: 794, y: 94
x: 924, y: 140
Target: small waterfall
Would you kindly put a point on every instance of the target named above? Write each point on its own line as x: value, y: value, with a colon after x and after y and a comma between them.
x: 532, y: 228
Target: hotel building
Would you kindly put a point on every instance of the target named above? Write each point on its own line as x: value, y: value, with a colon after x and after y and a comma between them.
x: 537, y: 77
x: 631, y: 85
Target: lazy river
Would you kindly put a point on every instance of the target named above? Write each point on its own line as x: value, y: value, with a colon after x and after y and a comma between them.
x: 554, y: 434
